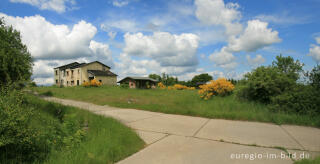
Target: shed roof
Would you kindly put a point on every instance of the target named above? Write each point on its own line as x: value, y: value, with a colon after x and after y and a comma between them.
x: 138, y: 78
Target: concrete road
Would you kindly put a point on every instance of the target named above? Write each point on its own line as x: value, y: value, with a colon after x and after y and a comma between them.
x: 184, y: 139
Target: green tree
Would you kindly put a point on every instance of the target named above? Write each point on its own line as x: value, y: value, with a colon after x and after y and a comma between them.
x: 155, y: 76
x: 288, y: 66
x: 15, y: 60
x: 314, y: 77
x: 265, y: 82
x: 202, y: 78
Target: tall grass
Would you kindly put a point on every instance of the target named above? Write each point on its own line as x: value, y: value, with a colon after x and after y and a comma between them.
x: 71, y: 135
x: 185, y: 102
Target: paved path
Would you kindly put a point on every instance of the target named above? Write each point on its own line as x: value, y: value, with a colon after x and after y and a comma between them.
x: 184, y: 139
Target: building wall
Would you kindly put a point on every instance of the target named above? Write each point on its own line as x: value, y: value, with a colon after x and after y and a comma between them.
x: 107, y: 80
x: 92, y: 66
x: 56, y: 77
x: 81, y: 74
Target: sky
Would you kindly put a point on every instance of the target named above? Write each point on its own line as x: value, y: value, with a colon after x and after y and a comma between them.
x: 182, y: 38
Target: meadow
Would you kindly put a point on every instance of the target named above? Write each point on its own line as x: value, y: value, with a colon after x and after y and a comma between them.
x: 184, y: 102
x: 56, y: 134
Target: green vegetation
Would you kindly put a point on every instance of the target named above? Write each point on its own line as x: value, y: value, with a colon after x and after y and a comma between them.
x: 186, y: 102
x: 278, y: 86
x: 36, y: 131
x: 309, y: 161
x: 15, y: 60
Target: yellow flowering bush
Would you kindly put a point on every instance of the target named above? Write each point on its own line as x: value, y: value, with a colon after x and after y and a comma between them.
x: 161, y: 86
x: 220, y: 86
x: 92, y: 83
x: 179, y: 87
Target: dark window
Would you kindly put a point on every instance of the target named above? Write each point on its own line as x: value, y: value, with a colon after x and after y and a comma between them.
x: 56, y: 72
x: 71, y: 72
x: 77, y: 82
x: 56, y: 81
x: 100, y: 81
x: 67, y: 73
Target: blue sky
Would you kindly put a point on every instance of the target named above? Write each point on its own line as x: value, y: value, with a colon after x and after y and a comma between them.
x: 179, y: 37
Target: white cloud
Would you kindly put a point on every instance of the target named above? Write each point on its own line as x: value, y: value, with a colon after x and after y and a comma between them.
x: 223, y: 59
x: 284, y: 18
x: 49, y: 41
x: 256, y: 35
x: 101, y: 52
x: 165, y: 48
x: 318, y: 40
x: 314, y: 52
x: 59, y: 6
x: 120, y: 3
x: 254, y: 62
x: 216, y: 12
x: 43, y: 81
x: 124, y: 25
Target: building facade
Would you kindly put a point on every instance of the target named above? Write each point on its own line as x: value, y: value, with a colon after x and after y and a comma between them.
x: 75, y: 74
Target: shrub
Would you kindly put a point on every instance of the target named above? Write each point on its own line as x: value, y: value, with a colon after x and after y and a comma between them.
x: 220, y: 87
x: 180, y: 87
x: 47, y: 93
x: 92, y: 83
x: 264, y: 83
x: 18, y: 141
x: 161, y: 86
x: 125, y: 86
x: 300, y: 99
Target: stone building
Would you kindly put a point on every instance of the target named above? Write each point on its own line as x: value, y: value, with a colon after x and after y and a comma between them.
x: 75, y: 74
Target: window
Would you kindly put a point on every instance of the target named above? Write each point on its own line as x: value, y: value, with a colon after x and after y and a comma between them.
x: 71, y: 72
x: 78, y: 82
x: 56, y: 81
x: 100, y: 81
x: 67, y: 73
x: 56, y: 72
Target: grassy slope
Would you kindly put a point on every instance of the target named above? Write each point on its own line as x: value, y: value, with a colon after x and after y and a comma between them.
x: 106, y: 140
x: 308, y: 161
x: 186, y: 102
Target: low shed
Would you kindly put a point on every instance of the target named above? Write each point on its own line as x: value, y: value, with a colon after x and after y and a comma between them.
x: 139, y: 82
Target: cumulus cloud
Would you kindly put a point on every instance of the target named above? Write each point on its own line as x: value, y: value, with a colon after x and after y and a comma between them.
x: 318, y: 40
x: 314, y: 52
x: 49, y: 41
x: 254, y: 62
x: 223, y: 59
x: 216, y: 12
x: 165, y: 48
x: 59, y: 6
x: 256, y: 35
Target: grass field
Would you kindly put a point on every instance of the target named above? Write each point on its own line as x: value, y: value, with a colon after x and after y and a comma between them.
x: 185, y: 102
x: 308, y: 161
x: 105, y: 140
